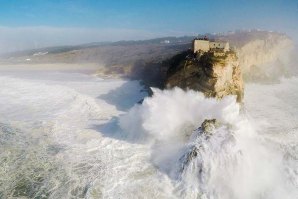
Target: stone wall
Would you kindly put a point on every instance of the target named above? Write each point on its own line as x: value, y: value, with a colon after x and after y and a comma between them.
x: 219, y: 44
x: 205, y: 45
x: 201, y: 45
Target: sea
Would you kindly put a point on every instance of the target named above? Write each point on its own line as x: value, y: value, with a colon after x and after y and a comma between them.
x: 78, y: 135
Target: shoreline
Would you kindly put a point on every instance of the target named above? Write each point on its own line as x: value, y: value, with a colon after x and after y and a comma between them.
x: 61, y: 67
x: 92, y: 69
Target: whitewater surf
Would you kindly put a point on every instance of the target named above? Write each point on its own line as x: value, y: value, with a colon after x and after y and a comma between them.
x: 73, y: 135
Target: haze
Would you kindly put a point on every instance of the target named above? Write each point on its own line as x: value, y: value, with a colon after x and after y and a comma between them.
x: 34, y: 24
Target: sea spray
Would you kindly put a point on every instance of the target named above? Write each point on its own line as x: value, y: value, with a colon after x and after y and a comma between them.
x: 233, y: 162
x: 168, y: 112
x: 63, y: 130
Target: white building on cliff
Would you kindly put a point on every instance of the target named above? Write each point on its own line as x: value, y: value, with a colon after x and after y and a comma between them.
x: 205, y: 45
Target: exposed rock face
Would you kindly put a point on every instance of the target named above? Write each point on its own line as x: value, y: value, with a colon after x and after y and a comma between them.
x: 263, y: 51
x: 208, y: 126
x: 205, y: 131
x: 214, y: 75
x: 262, y: 54
x: 206, y: 138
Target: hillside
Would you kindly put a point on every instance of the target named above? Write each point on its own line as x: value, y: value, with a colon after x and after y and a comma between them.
x: 261, y: 54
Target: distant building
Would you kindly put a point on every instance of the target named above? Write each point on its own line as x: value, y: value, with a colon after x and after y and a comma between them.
x: 205, y: 45
x: 165, y: 42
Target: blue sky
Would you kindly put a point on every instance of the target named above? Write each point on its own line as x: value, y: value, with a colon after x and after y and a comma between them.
x: 44, y: 21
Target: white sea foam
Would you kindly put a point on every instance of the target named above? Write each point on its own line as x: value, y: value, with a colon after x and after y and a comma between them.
x: 60, y: 138
x: 234, y: 163
x: 168, y: 112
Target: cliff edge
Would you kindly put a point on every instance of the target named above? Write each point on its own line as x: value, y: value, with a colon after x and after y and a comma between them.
x: 215, y: 73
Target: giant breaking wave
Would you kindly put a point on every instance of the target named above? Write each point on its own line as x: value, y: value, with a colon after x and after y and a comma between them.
x: 234, y: 161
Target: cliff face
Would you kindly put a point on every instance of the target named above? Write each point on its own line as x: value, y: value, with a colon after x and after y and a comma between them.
x: 215, y: 76
x: 259, y: 55
x: 262, y: 55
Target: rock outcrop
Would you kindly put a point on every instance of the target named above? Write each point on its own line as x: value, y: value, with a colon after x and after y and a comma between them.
x: 206, y: 130
x: 216, y: 74
x: 205, y: 140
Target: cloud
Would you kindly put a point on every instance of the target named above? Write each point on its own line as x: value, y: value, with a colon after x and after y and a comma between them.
x: 21, y: 38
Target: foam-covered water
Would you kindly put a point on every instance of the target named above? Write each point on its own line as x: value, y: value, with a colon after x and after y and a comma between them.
x: 67, y: 135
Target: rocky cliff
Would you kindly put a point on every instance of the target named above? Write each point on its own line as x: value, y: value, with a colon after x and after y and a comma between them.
x: 214, y: 75
x: 262, y: 54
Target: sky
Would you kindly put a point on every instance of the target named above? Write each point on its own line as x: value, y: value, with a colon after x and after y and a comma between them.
x: 38, y: 23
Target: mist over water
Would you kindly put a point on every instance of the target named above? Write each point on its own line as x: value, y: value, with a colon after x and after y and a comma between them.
x: 234, y: 162
x: 69, y: 135
x: 76, y: 124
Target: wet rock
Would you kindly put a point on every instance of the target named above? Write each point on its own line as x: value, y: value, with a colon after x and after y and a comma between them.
x: 208, y: 126
x: 206, y: 129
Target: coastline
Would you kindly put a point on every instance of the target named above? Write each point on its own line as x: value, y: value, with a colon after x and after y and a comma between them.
x: 62, y: 67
